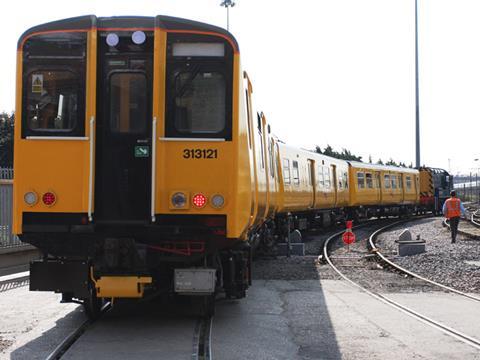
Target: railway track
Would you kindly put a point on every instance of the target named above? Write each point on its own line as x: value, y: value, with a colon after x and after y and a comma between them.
x: 469, y: 228
x: 201, y: 344
x: 13, y: 282
x: 395, y: 304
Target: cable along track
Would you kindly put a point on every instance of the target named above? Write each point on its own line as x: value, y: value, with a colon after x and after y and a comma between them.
x: 386, y: 300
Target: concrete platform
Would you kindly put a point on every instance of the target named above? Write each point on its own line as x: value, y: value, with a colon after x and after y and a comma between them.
x: 306, y: 319
x: 330, y: 320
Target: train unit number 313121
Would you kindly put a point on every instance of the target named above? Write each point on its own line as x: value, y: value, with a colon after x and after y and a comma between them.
x: 200, y: 153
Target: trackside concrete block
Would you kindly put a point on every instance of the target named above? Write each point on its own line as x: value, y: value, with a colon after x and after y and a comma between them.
x: 295, y: 249
x: 407, y: 246
x: 405, y: 235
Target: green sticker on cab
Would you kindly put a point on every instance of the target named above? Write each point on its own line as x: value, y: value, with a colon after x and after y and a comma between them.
x: 142, y: 151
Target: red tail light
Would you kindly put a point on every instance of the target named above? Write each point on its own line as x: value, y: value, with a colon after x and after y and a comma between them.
x: 199, y: 200
x: 49, y: 198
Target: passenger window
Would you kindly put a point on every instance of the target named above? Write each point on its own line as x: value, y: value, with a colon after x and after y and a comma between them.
x: 369, y: 180
x: 54, y: 99
x: 272, y: 158
x: 286, y: 171
x: 128, y: 103
x: 200, y: 102
x: 321, y: 182
x: 360, y: 180
x: 394, y: 181
x: 296, y: 178
x: 260, y: 134
x: 345, y: 177
x: 327, y: 177
x: 409, y: 182
x: 247, y: 105
x: 386, y: 181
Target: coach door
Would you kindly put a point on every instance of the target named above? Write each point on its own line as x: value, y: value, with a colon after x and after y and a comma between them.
x: 124, y: 143
x: 334, y: 183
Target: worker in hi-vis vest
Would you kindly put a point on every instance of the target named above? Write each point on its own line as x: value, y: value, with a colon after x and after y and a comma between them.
x: 452, y: 210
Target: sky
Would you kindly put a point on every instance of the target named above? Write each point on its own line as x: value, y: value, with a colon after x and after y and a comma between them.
x: 337, y: 72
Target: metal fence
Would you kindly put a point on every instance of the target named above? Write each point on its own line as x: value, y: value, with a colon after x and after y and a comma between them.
x: 469, y: 190
x: 7, y: 239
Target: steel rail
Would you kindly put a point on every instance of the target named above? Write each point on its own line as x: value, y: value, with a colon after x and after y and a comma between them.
x: 474, y: 215
x: 202, y: 339
x: 462, y: 232
x: 13, y: 283
x: 420, y: 317
x: 67, y: 343
x: 403, y: 270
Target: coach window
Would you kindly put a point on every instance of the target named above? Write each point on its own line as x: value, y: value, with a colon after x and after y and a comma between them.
x: 394, y: 181
x: 286, y: 171
x: 386, y: 180
x: 327, y: 176
x: 296, y: 178
x: 321, y: 181
x: 409, y: 182
x: 345, y: 177
x: 361, y: 180
x: 53, y: 99
x: 272, y: 158
x: 369, y: 180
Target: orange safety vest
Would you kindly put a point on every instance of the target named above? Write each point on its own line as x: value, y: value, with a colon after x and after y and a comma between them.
x: 453, y: 208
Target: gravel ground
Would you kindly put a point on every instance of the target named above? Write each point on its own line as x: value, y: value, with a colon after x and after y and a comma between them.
x: 297, y: 267
x: 360, y: 266
x: 443, y: 261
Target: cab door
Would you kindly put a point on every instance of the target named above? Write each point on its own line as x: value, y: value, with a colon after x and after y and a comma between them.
x: 124, y: 128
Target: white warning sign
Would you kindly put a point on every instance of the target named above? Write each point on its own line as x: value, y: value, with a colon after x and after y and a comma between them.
x: 37, y: 83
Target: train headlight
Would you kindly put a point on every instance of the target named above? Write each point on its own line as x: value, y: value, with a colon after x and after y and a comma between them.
x: 30, y: 198
x: 49, y: 198
x: 199, y: 200
x: 217, y: 201
x: 179, y: 200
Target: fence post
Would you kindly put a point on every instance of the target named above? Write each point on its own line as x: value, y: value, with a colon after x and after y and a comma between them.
x: 7, y: 239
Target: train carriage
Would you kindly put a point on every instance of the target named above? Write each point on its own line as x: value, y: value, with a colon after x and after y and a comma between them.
x: 380, y: 189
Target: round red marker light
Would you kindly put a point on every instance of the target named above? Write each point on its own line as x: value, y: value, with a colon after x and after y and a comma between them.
x: 199, y: 200
x: 49, y: 198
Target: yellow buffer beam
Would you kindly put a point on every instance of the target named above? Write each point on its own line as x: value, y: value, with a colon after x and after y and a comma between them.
x: 121, y: 286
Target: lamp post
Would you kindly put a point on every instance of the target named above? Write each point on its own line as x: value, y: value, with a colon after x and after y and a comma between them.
x: 228, y: 4
x: 417, y: 105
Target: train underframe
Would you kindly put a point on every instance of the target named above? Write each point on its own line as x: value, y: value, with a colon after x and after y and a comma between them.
x: 90, y: 264
x: 278, y: 229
